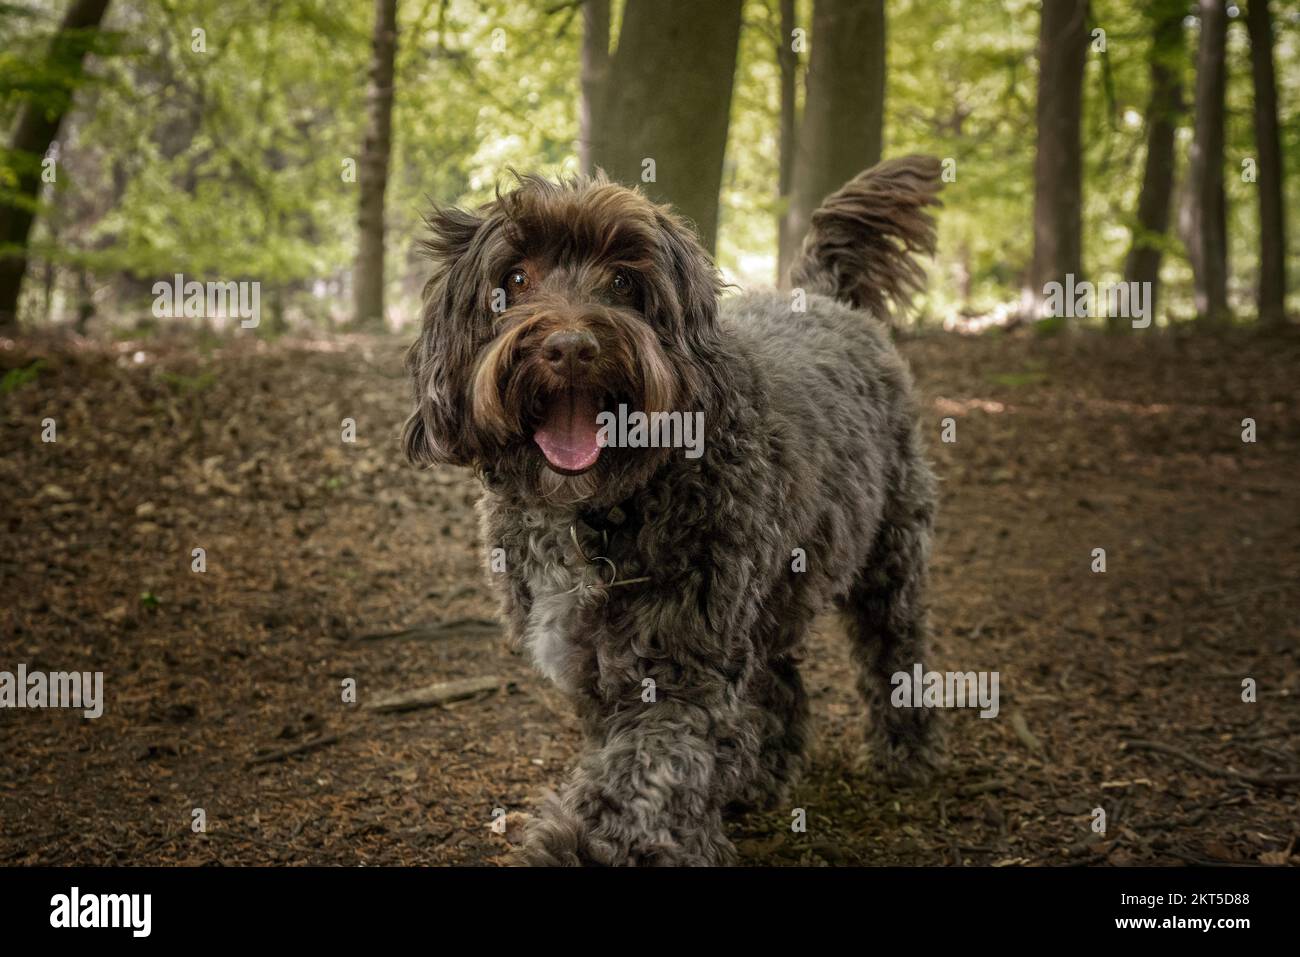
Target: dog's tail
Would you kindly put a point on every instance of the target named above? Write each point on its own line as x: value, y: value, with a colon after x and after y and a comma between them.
x: 862, y: 241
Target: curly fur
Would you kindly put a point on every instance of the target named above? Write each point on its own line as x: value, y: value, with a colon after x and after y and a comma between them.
x: 811, y: 443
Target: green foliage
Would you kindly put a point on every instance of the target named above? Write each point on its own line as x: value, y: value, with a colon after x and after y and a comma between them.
x: 961, y: 86
x: 482, y: 87
x: 750, y: 204
x: 228, y: 162
x: 44, y: 67
x: 1051, y: 326
x: 234, y: 171
x: 187, y: 385
x: 17, y: 378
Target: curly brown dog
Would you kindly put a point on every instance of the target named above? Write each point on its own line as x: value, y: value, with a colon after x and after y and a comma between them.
x: 668, y: 587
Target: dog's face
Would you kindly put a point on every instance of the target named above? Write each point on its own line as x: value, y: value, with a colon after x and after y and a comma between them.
x: 548, y: 306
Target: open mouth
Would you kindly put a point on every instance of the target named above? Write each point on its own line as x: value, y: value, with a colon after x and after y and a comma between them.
x: 568, y: 434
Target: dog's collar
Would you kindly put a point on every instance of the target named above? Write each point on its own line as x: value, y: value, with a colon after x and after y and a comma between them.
x: 606, y: 520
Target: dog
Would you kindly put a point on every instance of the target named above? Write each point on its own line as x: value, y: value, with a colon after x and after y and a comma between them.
x: 668, y: 594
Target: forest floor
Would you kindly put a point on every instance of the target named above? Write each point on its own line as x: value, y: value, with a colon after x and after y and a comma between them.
x: 1120, y: 690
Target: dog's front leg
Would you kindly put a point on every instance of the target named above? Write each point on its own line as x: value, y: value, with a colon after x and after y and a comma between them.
x: 650, y: 794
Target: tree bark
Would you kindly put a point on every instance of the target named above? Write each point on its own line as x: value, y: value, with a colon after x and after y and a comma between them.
x: 842, y: 130
x: 669, y: 102
x: 787, y: 59
x: 1271, y: 172
x: 85, y: 300
x: 1208, y: 238
x: 1058, y: 174
x: 368, y: 276
x: 1165, y: 59
x: 36, y: 127
x: 595, y: 75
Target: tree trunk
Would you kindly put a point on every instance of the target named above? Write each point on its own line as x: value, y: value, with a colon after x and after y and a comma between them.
x: 787, y: 59
x: 48, y: 273
x: 85, y: 301
x: 47, y: 285
x: 1058, y: 186
x: 844, y: 105
x: 1165, y: 58
x: 276, y: 322
x: 368, y: 277
x: 1208, y: 237
x: 595, y: 75
x: 664, y: 122
x: 1272, y: 224
x: 35, y: 129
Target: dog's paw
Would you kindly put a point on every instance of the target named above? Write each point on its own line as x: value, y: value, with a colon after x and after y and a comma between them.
x: 909, y: 760
x: 510, y: 828
x: 906, y: 767
x: 556, y: 837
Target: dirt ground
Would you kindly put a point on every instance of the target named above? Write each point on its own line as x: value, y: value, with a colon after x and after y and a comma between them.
x: 223, y: 689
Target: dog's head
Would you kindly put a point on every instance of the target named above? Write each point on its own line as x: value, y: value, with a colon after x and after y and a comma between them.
x: 549, y: 305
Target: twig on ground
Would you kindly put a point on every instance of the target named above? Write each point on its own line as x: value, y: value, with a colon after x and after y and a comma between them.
x: 1250, y: 777
x: 302, y: 747
x: 1171, y: 824
x: 1027, y: 737
x: 1234, y: 598
x: 436, y: 694
x: 432, y: 630
x: 1203, y: 862
x: 984, y: 787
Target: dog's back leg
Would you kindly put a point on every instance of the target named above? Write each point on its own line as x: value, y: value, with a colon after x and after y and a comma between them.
x: 885, y: 617
x: 782, y: 721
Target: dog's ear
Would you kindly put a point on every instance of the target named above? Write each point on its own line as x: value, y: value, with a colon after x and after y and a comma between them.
x: 451, y: 232
x: 433, y: 434
x: 441, y: 359
x: 694, y: 278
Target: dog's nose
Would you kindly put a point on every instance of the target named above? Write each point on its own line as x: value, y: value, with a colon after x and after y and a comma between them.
x: 569, y: 350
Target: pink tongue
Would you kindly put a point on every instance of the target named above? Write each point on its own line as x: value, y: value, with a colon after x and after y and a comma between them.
x: 568, y: 436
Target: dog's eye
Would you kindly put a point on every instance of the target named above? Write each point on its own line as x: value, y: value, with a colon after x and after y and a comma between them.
x: 621, y: 284
x: 516, y: 282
